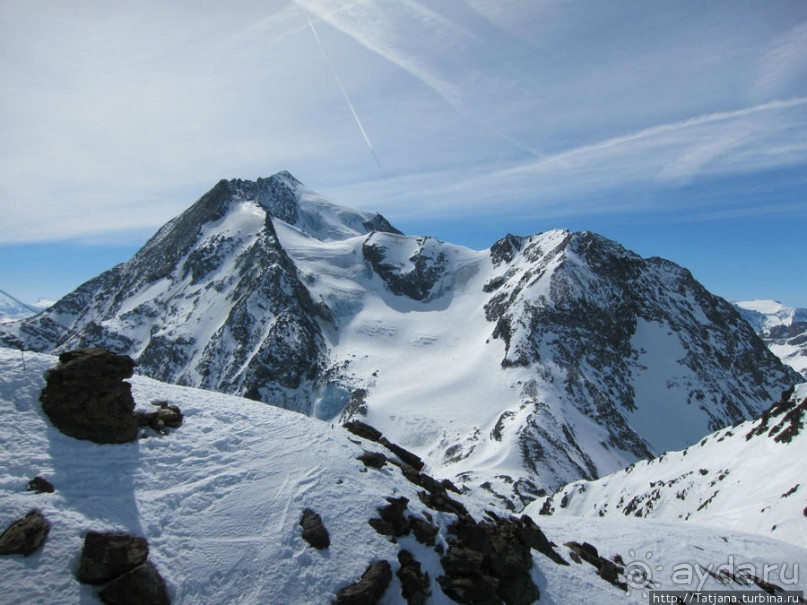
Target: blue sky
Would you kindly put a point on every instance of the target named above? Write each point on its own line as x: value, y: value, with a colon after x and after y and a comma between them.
x: 676, y: 128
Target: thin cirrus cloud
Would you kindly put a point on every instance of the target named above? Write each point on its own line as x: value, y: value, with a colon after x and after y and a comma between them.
x: 130, y: 113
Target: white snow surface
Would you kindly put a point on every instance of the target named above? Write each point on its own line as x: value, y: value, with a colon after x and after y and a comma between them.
x: 520, y: 409
x: 767, y: 315
x: 660, y: 387
x: 432, y: 369
x: 220, y: 498
x: 728, y: 480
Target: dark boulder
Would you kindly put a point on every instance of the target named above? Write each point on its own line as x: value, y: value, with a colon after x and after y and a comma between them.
x: 538, y: 540
x: 489, y: 562
x: 314, y: 531
x: 141, y: 586
x: 166, y: 416
x: 608, y: 570
x: 414, y: 583
x: 425, y: 532
x: 40, y: 485
x: 373, y: 459
x: 85, y: 396
x: 405, y: 455
x: 25, y: 536
x: 362, y: 429
x: 425, y: 481
x: 393, y: 521
x: 442, y: 502
x: 106, y: 556
x: 477, y: 589
x: 370, y: 588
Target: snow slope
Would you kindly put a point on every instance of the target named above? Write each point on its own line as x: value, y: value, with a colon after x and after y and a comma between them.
x: 784, y: 330
x: 517, y: 369
x: 219, y: 501
x: 749, y: 477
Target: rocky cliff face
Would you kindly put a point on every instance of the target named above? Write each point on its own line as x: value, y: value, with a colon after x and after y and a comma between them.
x: 582, y: 301
x: 212, y: 300
x: 542, y: 360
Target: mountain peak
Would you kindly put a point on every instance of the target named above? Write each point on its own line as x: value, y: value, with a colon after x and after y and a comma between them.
x: 286, y: 198
x: 558, y: 352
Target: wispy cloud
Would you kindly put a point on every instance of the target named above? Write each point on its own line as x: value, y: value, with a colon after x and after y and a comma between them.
x: 745, y: 141
x: 382, y: 30
x: 691, y: 162
x: 783, y: 64
x: 118, y: 116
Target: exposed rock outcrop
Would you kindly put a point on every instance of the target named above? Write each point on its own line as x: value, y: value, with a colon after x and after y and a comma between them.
x: 362, y: 429
x: 121, y: 562
x: 166, y: 416
x: 141, y: 586
x: 370, y: 588
x: 107, y: 556
x: 40, y: 485
x: 415, y: 586
x: 608, y: 570
x: 314, y: 531
x: 86, y: 397
x: 392, y: 521
x: 25, y: 536
x: 373, y: 459
x: 489, y: 562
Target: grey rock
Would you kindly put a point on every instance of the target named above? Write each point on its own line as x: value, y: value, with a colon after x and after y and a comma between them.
x: 373, y: 459
x: 40, y: 485
x: 489, y: 562
x: 370, y: 588
x: 106, y: 556
x: 415, y: 585
x: 85, y: 396
x: 143, y: 585
x: 393, y: 520
x: 167, y: 416
x: 363, y: 430
x: 314, y: 531
x: 25, y: 536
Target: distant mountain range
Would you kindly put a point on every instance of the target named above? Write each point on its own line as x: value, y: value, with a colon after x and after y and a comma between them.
x: 513, y: 370
x: 784, y: 330
x: 13, y: 310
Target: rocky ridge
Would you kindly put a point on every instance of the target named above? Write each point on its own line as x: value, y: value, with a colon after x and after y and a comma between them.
x: 513, y: 370
x: 741, y: 477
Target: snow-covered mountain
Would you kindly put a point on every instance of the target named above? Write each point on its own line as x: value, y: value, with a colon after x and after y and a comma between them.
x: 219, y: 501
x: 749, y: 477
x: 516, y: 369
x: 784, y: 329
x: 13, y: 310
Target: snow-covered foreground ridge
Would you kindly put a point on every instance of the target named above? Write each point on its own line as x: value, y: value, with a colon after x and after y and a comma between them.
x: 749, y: 477
x: 219, y: 501
x: 517, y: 369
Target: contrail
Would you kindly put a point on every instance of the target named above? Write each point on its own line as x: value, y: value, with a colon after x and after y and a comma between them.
x: 342, y: 88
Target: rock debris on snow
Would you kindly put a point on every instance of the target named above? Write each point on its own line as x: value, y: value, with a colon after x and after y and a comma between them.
x: 40, y: 485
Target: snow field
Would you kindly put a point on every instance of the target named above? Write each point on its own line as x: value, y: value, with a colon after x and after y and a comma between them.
x: 220, y: 498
